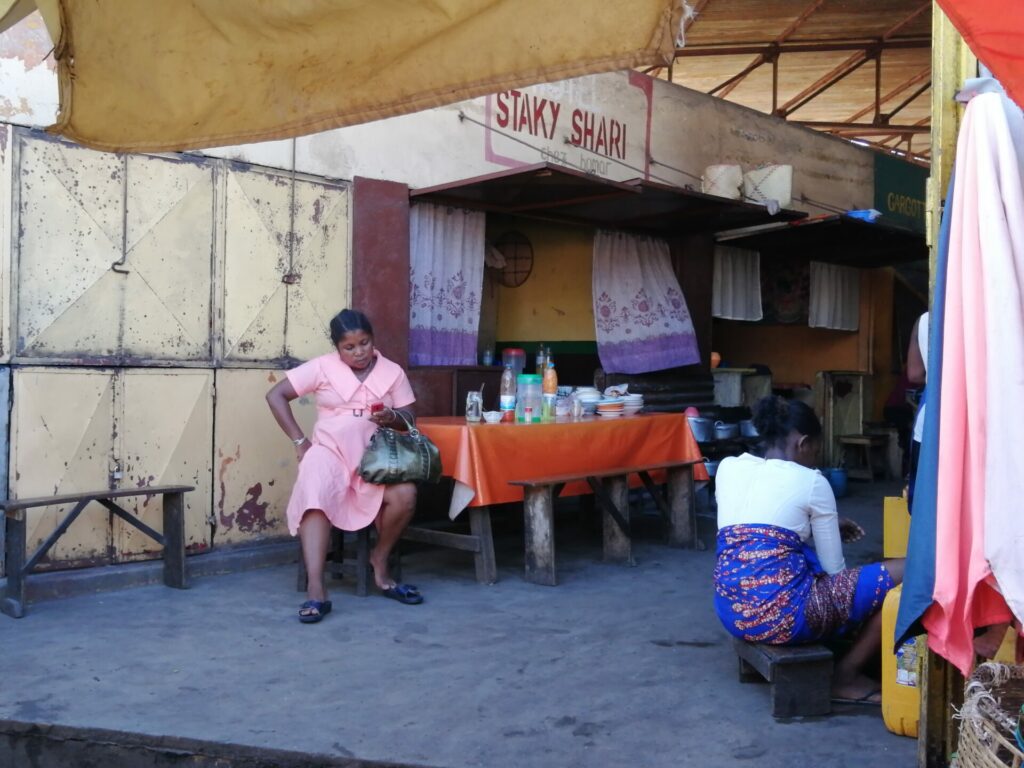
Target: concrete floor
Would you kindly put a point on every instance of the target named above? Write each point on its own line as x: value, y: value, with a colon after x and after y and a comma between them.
x: 614, y: 667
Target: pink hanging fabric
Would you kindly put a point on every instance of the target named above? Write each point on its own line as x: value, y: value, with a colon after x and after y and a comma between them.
x: 985, y: 254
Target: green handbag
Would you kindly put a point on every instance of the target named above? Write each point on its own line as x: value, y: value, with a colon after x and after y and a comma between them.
x: 400, y: 457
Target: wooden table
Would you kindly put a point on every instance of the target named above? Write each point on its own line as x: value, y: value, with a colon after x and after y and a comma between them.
x: 484, y: 459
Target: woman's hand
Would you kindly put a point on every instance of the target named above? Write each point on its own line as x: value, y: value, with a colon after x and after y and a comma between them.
x: 388, y: 418
x: 849, y: 531
x: 302, y: 449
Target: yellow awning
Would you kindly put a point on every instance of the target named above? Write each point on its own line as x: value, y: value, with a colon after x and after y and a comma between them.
x: 179, y: 74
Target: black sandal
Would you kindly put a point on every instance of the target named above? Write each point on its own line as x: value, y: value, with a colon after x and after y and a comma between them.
x: 306, y: 615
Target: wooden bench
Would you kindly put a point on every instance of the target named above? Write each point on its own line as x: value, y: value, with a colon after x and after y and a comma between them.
x: 479, y: 541
x: 611, y: 490
x: 19, y: 566
x: 800, y: 676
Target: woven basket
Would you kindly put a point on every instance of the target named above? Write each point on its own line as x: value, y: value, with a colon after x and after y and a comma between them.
x: 992, y: 701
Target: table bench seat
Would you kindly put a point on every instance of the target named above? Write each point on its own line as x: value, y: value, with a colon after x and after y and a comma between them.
x: 800, y: 676
x: 19, y: 565
x: 611, y: 489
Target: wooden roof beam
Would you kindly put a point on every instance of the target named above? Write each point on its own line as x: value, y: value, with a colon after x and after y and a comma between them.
x: 907, y: 101
x: 866, y: 129
x: 771, y: 56
x: 850, y: 65
x: 822, y: 84
x: 909, y: 82
x: 830, y: 46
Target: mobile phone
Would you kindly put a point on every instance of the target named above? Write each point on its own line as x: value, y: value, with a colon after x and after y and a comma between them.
x: 376, y: 408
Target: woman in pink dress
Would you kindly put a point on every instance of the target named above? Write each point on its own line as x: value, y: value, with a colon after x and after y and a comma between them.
x: 356, y: 390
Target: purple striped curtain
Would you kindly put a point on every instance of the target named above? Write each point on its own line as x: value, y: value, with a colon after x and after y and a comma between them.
x: 446, y: 265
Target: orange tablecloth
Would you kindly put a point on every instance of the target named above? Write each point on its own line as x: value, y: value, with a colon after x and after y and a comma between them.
x: 483, y: 458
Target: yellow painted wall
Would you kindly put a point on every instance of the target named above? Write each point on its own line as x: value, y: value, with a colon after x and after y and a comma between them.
x: 795, y: 353
x: 555, y: 303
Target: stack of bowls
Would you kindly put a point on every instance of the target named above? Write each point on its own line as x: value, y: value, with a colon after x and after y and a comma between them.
x: 589, y: 397
x: 611, y: 407
x: 632, y: 404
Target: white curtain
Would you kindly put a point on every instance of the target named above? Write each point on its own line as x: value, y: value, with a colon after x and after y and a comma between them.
x: 446, y: 275
x: 835, y: 297
x: 736, y: 288
x: 641, y: 317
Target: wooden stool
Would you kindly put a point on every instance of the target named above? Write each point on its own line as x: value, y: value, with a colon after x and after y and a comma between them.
x: 865, y: 446
x: 357, y: 566
x: 800, y: 676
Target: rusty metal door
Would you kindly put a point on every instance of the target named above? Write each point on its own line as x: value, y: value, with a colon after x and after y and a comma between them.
x: 168, y: 259
x: 6, y: 224
x: 320, y: 267
x: 254, y: 462
x: 70, y: 210
x: 62, y: 441
x: 164, y: 437
x: 113, y: 257
x: 286, y: 264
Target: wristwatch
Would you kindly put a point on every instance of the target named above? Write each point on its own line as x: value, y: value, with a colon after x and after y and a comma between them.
x: 299, y: 442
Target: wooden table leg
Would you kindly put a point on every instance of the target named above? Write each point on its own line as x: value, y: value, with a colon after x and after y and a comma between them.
x: 617, y: 545
x: 14, y: 601
x: 682, y: 520
x: 483, y: 558
x: 175, y: 572
x: 539, y: 533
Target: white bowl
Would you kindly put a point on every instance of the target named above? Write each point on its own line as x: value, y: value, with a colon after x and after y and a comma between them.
x: 492, y: 417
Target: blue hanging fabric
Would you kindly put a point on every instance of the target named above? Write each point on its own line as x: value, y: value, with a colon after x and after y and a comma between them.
x: 919, y: 578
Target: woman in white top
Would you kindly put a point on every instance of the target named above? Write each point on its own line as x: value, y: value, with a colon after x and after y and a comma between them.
x: 771, y: 585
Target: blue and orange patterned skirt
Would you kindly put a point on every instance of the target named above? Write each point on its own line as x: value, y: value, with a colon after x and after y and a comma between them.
x: 770, y: 588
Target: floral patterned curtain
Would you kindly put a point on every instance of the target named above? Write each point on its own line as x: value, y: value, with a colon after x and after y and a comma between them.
x: 643, y: 323
x: 446, y: 265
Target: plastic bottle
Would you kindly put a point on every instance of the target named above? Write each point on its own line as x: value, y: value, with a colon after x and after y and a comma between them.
x: 550, y: 396
x: 507, y: 400
x: 541, y: 360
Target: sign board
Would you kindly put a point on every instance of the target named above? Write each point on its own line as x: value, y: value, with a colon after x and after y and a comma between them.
x: 899, y: 192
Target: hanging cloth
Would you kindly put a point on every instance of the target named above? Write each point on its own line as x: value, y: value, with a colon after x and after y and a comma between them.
x: 979, y: 468
x: 835, y: 297
x: 736, y: 287
x: 919, y: 573
x: 446, y: 276
x: 640, y: 313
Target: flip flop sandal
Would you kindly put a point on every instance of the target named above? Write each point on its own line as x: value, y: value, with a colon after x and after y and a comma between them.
x: 406, y: 594
x: 306, y: 615
x: 864, y: 701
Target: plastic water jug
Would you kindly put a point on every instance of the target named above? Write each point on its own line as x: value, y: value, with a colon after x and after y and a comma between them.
x: 528, y: 397
x: 901, y: 672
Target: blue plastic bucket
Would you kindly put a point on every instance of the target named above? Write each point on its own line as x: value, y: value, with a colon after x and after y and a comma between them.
x: 837, y: 479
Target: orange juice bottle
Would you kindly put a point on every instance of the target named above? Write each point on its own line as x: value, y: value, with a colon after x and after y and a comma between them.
x: 550, y: 390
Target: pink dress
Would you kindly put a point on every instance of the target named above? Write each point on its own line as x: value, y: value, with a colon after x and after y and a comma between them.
x: 328, y: 474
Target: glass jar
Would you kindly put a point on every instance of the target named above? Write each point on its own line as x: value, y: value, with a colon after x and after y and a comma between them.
x: 474, y: 406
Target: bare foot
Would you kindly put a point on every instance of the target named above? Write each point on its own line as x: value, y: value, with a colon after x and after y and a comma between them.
x: 381, y: 575
x: 987, y: 645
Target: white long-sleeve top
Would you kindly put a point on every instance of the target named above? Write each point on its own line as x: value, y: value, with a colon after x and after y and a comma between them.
x: 755, y: 491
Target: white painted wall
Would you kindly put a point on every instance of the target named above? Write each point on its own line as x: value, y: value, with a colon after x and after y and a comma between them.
x: 687, y: 132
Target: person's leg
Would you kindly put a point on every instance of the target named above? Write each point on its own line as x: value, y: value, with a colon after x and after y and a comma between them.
x: 848, y: 679
x: 315, y: 535
x: 395, y: 514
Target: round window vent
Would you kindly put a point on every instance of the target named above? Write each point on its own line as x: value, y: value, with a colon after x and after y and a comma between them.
x: 518, y: 253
